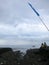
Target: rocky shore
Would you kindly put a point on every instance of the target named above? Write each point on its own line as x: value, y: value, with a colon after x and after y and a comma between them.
x: 38, y: 56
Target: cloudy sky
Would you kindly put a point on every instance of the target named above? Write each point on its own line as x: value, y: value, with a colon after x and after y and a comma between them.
x: 19, y: 24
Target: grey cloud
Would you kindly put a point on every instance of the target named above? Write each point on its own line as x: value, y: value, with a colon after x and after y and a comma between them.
x: 35, y: 35
x: 12, y: 11
x: 18, y: 11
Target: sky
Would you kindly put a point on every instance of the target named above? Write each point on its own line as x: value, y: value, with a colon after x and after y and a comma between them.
x: 19, y: 25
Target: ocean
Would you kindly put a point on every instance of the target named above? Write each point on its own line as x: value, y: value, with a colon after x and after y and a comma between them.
x: 24, y: 47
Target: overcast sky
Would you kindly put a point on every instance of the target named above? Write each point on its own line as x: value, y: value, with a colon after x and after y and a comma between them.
x: 20, y: 25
